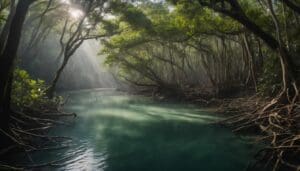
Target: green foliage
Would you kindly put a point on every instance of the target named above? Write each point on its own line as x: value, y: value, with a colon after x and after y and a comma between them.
x: 27, y: 91
x: 193, y: 34
x: 4, y: 10
x: 196, y: 20
x: 161, y: 53
x: 132, y: 15
x: 108, y: 27
x: 136, y: 18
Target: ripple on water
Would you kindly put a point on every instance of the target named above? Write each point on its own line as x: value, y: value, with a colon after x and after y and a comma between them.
x: 116, y: 132
x: 83, y: 157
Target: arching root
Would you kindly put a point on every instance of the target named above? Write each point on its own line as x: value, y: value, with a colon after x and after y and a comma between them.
x: 28, y: 133
x: 279, y: 123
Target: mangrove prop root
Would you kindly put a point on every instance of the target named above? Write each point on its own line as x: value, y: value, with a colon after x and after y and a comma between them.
x: 28, y: 133
x: 278, y: 122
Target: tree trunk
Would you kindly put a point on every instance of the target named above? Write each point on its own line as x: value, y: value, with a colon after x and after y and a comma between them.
x: 288, y: 73
x: 7, y: 61
x: 35, y: 32
x: 260, y: 56
x: 237, y: 13
x: 251, y: 61
x: 51, y: 89
x: 247, y: 63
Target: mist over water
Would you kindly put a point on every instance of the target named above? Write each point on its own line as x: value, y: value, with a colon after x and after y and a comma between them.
x: 119, y: 132
x: 85, y: 69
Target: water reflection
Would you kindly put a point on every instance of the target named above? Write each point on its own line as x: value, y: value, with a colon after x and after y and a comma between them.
x: 129, y: 133
x: 84, y: 160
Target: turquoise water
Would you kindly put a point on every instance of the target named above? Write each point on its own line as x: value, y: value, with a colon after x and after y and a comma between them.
x: 119, y: 132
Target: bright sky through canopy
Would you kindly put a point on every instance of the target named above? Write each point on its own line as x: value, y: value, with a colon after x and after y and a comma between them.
x: 76, y: 13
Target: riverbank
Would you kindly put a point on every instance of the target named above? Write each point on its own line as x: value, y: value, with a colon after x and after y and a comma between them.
x: 274, y: 124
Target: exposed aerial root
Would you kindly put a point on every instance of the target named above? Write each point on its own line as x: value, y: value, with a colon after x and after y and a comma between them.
x: 28, y: 133
x: 279, y: 123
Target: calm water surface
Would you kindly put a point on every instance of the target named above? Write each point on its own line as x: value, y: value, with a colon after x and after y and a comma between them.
x: 118, y: 132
